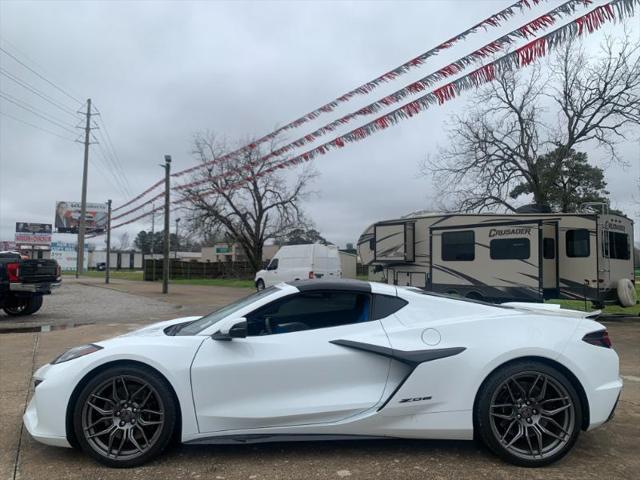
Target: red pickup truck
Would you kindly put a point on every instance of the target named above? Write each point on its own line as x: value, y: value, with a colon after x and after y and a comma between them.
x: 24, y: 282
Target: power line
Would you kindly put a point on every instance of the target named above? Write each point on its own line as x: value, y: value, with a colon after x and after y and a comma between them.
x: 36, y: 112
x: 115, y: 168
x: 57, y: 87
x: 34, y: 90
x: 109, y: 166
x: 36, y: 126
x: 116, y: 157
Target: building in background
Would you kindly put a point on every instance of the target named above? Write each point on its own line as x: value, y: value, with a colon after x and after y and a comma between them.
x: 233, y: 252
x: 66, y: 254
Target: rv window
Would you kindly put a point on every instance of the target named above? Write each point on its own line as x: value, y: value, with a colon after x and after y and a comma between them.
x: 458, y: 246
x: 549, y: 248
x: 619, y: 246
x: 578, y: 243
x: 510, y: 249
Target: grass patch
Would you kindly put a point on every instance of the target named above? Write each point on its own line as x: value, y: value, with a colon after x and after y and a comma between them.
x: 216, y: 282
x: 579, y: 305
x: 115, y: 274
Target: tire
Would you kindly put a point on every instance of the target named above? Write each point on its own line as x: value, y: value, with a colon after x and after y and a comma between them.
x: 260, y: 284
x: 627, y: 293
x: 542, y: 438
x: 27, y: 307
x: 115, y: 428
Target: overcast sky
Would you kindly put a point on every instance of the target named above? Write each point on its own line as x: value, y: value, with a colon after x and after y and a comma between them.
x: 160, y: 71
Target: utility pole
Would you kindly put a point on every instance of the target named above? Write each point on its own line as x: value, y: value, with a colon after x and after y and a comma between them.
x: 83, y: 207
x: 177, y: 239
x: 167, y: 196
x: 153, y: 238
x: 106, y: 273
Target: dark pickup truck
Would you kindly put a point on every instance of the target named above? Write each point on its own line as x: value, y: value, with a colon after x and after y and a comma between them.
x: 24, y: 282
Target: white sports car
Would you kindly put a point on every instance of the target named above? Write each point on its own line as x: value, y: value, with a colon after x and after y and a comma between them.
x: 343, y: 359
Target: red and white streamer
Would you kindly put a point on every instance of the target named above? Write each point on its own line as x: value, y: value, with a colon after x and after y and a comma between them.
x: 421, y: 85
x: 522, y: 57
x: 493, y: 21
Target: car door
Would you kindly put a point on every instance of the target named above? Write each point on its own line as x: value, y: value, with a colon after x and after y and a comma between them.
x: 286, y: 372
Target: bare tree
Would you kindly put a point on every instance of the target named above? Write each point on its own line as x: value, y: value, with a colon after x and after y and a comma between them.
x: 242, y: 198
x: 124, y: 242
x: 498, y: 143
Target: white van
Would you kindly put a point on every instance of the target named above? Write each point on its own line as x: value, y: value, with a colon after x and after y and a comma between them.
x: 300, y: 262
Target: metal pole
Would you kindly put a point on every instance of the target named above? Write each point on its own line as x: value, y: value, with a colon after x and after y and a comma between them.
x: 83, y: 207
x: 177, y: 239
x: 153, y: 236
x: 167, y: 196
x: 108, y: 266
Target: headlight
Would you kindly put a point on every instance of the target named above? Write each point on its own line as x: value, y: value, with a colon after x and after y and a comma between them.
x: 76, y: 352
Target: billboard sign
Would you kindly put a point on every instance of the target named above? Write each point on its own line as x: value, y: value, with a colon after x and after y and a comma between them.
x: 68, y: 217
x: 33, y: 233
x: 65, y: 253
x: 7, y: 246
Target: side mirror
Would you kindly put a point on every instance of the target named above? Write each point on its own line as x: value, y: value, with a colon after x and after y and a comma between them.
x: 235, y: 329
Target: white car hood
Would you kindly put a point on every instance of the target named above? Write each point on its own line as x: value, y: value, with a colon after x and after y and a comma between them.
x: 158, y: 328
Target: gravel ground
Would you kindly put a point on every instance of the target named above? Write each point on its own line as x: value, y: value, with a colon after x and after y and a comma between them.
x: 73, y: 304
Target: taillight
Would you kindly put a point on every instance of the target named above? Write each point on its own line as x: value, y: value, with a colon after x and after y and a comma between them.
x: 13, y: 272
x: 599, y: 338
x: 58, y: 271
x: 311, y: 276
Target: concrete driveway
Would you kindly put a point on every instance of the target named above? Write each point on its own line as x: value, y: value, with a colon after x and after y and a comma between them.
x: 610, y: 452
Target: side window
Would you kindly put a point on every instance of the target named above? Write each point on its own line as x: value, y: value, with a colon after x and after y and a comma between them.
x: 309, y: 311
x: 385, y: 305
x: 578, y: 243
x: 549, y: 248
x: 510, y: 249
x: 458, y: 246
x: 273, y: 264
x: 619, y: 246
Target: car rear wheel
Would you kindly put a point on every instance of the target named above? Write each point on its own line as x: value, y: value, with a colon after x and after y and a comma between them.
x: 528, y: 413
x: 125, y: 416
x: 25, y: 306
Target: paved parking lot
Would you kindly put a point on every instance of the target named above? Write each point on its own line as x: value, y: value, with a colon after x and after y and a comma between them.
x: 610, y: 452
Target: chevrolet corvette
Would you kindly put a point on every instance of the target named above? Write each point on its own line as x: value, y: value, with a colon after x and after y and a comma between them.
x: 332, y: 360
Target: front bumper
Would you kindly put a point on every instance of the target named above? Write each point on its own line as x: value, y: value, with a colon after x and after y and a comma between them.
x: 33, y: 287
x: 45, y: 417
x: 37, y: 431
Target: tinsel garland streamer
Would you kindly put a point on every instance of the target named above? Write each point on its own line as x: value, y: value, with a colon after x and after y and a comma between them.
x: 493, y: 21
x: 421, y: 85
x: 616, y: 9
x: 521, y: 57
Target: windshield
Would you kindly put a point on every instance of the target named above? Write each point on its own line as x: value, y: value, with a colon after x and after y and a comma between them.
x: 193, y: 328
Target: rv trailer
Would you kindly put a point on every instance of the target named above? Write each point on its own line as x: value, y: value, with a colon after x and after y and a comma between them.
x: 500, y: 257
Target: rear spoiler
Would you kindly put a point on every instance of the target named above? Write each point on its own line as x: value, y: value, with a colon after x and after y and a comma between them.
x: 553, y: 309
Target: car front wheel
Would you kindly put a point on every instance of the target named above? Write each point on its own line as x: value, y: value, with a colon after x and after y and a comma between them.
x: 125, y: 416
x: 528, y: 413
x: 260, y: 284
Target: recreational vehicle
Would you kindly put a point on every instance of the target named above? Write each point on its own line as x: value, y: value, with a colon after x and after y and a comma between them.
x: 528, y: 257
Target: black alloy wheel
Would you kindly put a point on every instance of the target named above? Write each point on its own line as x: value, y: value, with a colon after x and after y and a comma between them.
x: 529, y: 414
x: 125, y: 416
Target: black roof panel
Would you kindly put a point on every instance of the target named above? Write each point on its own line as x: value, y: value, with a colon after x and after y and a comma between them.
x: 341, y: 284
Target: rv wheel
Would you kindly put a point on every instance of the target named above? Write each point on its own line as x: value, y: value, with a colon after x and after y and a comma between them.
x: 627, y: 292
